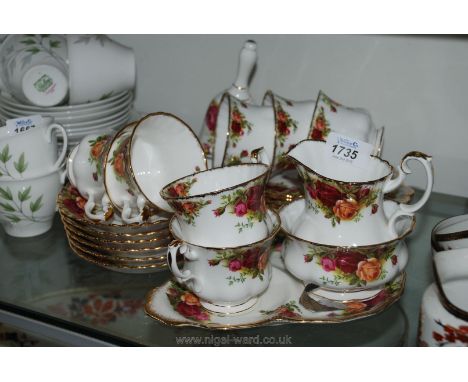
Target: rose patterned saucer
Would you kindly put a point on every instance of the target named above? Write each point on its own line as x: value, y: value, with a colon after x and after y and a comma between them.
x: 173, y: 304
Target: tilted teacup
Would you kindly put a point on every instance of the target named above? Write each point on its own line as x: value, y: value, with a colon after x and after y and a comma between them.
x: 450, y: 233
x: 343, y: 267
x: 444, y: 309
x: 221, y: 207
x: 331, y: 116
x: 248, y: 128
x: 344, y: 202
x: 122, y: 192
x: 292, y: 122
x: 162, y: 148
x: 85, y: 171
x: 27, y: 206
x: 28, y: 147
x: 226, y: 279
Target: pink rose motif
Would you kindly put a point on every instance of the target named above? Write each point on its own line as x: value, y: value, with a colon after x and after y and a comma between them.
x: 235, y: 265
x: 240, y: 208
x: 328, y: 264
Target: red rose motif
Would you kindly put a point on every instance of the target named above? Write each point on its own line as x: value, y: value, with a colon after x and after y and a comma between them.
x: 250, y: 258
x: 191, y: 311
x: 312, y: 191
x: 235, y: 265
x: 375, y: 208
x: 255, y: 198
x: 317, y: 135
x: 438, y: 337
x: 285, y: 312
x: 244, y: 153
x: 348, y: 261
x: 283, y: 128
x: 236, y: 128
x: 236, y: 116
x: 362, y: 193
x: 328, y: 195
x: 189, y: 207
x: 72, y: 206
x: 328, y: 264
x: 211, y: 116
x: 394, y: 259
x: 240, y: 209
x: 378, y: 298
x: 282, y: 116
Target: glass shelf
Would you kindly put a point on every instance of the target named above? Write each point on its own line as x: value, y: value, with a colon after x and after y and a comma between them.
x: 42, y: 281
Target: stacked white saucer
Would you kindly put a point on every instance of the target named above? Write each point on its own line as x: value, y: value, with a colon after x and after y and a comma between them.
x: 100, y: 116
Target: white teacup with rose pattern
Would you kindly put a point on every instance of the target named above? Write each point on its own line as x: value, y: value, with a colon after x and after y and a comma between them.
x: 226, y: 279
x: 85, y: 170
x: 331, y: 116
x: 344, y: 202
x: 222, y: 206
x: 292, y: 123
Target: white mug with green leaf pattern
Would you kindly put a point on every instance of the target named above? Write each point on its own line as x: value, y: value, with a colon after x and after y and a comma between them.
x: 29, y: 153
x: 27, y: 206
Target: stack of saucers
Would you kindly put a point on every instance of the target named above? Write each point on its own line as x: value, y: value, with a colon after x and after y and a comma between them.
x: 100, y: 116
x: 115, y: 183
x: 130, y: 248
x: 343, y: 236
x: 72, y: 78
x: 224, y: 229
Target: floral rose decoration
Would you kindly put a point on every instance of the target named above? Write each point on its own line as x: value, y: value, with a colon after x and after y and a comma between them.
x: 346, y: 209
x: 255, y: 201
x: 328, y: 264
x: 327, y: 194
x: 119, y: 166
x: 369, y: 269
x: 348, y: 261
x: 211, y: 116
x: 97, y: 148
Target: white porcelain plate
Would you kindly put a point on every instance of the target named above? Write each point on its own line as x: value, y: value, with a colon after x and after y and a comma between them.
x: 278, y: 304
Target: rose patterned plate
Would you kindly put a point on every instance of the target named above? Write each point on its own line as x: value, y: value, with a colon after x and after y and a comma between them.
x: 175, y: 305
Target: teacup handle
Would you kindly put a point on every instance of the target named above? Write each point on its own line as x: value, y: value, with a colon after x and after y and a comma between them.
x: 56, y: 126
x: 177, y: 246
x: 410, y: 209
x: 90, y: 204
x: 127, y: 212
x: 260, y: 156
